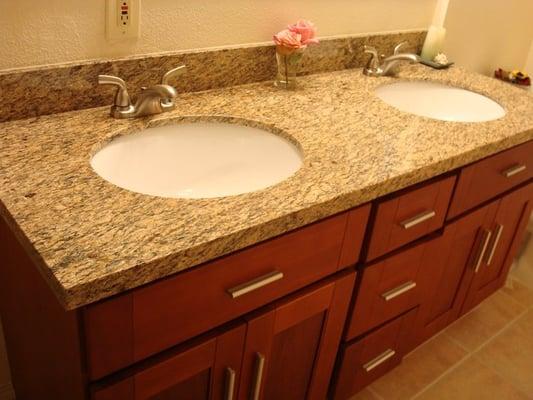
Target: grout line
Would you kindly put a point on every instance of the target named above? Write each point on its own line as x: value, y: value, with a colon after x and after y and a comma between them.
x: 369, y: 387
x: 444, y: 374
x: 499, y: 332
x: 470, y: 353
x: 494, y: 370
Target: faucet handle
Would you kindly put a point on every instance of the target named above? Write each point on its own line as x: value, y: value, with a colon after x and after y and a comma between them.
x: 173, y: 73
x: 399, y: 46
x: 371, y: 50
x: 122, y: 98
x: 374, y: 60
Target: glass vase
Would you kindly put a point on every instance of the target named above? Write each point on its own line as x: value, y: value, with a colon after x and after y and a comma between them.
x: 288, y: 65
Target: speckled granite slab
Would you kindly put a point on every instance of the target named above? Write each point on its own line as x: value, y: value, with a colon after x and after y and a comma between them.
x: 57, y: 88
x: 92, y: 239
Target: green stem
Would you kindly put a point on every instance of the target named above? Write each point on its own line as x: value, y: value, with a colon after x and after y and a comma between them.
x: 286, y: 71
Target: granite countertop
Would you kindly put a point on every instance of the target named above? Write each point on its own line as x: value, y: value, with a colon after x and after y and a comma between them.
x: 92, y: 240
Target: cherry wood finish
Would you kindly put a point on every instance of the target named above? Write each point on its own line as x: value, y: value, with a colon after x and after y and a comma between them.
x: 176, y: 309
x: 512, y: 216
x: 389, y: 234
x: 388, y: 288
x: 354, y: 371
x: 298, y: 340
x: 354, y: 235
x: 198, y: 372
x: 485, y: 179
x: 449, y: 271
x: 42, y: 339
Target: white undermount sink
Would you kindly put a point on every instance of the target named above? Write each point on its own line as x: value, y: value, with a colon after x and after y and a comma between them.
x: 442, y: 102
x: 197, y: 160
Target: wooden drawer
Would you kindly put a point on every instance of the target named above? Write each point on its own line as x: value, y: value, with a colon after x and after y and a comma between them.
x: 389, y: 288
x: 136, y: 325
x: 409, y: 216
x: 365, y: 360
x: 492, y: 176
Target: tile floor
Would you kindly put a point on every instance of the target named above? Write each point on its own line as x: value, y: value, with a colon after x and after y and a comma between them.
x: 487, y: 355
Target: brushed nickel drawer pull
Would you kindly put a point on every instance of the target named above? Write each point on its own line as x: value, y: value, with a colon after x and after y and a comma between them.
x: 404, y: 287
x: 417, y: 219
x: 255, y: 284
x: 259, y: 367
x: 499, y: 231
x: 230, y: 383
x: 514, y: 170
x: 369, y: 366
x: 485, y: 243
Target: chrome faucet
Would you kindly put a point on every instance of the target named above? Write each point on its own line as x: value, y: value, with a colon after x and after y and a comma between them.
x: 380, y: 66
x: 153, y: 100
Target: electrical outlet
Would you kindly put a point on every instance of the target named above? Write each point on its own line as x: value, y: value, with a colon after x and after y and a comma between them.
x: 122, y: 19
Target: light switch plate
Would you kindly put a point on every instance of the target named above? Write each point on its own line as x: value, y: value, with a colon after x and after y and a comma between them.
x: 122, y: 19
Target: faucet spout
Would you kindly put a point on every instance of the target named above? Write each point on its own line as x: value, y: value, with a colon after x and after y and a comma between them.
x: 377, y: 67
x: 391, y: 62
x: 153, y: 100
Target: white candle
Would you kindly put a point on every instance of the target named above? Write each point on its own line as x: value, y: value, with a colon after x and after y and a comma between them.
x: 434, y: 42
x: 440, y: 13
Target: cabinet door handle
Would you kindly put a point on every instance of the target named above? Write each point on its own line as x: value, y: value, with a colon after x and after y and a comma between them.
x: 259, y: 367
x: 404, y: 287
x: 230, y: 383
x: 417, y: 219
x: 369, y: 366
x: 516, y: 169
x: 255, y: 284
x: 484, y: 244
x: 492, y: 251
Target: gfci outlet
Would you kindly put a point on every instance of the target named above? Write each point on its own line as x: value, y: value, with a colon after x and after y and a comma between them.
x: 122, y: 18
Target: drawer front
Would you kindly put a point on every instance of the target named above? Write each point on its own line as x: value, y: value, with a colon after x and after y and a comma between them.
x: 492, y: 176
x: 173, y: 310
x: 388, y: 289
x: 374, y: 355
x: 409, y: 216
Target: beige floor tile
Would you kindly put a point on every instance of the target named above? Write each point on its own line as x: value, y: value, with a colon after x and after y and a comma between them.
x: 471, y: 380
x: 519, y: 292
x: 511, y: 353
x: 485, y: 321
x: 419, y: 369
x: 365, y: 394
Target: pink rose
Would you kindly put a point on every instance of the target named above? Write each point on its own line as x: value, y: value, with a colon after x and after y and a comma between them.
x: 306, y: 29
x: 288, y: 41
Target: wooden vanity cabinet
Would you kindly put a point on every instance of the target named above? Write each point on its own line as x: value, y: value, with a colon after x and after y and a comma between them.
x: 131, y: 327
x: 471, y: 261
x: 506, y: 232
x: 285, y: 351
x: 448, y: 272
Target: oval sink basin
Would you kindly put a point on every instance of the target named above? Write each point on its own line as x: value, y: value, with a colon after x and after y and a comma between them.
x: 197, y: 160
x: 437, y: 101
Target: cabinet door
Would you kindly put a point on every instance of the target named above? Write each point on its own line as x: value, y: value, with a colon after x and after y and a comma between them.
x: 507, y: 231
x: 448, y: 269
x: 290, y: 349
x: 205, y: 371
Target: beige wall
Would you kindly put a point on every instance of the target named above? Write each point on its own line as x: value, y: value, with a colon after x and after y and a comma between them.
x: 483, y: 35
x: 529, y: 63
x: 60, y: 30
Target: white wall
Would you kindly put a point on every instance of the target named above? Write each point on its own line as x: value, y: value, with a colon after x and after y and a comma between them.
x: 484, y: 35
x: 35, y: 32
